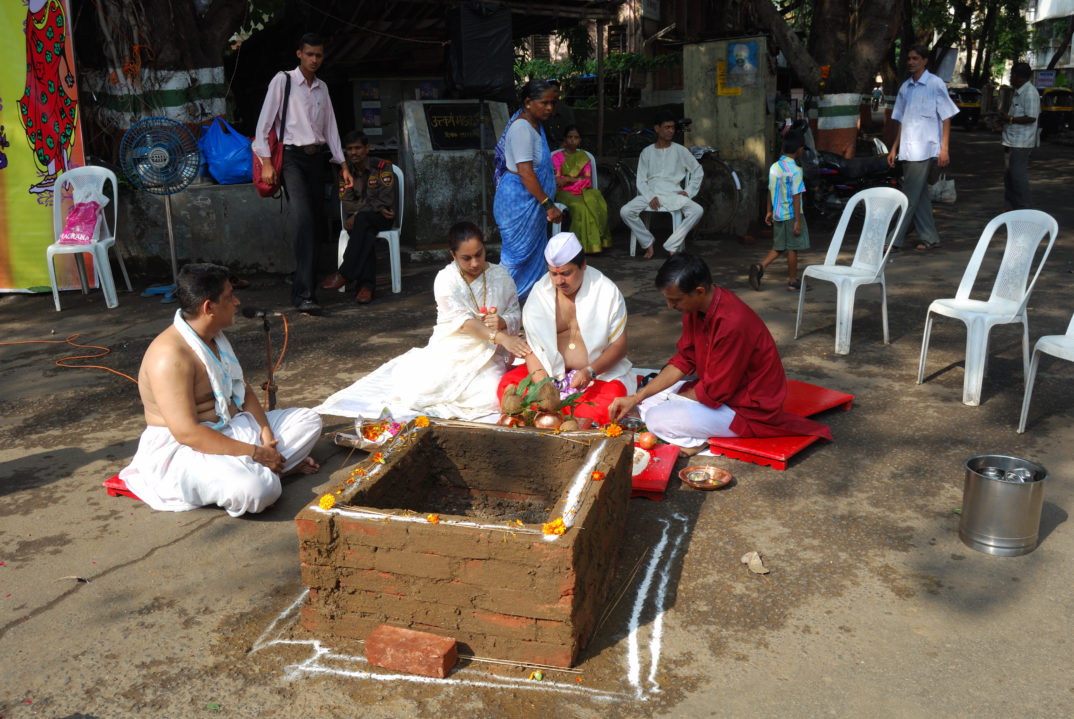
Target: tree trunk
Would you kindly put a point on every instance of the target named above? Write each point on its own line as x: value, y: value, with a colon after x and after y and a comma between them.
x: 1064, y: 46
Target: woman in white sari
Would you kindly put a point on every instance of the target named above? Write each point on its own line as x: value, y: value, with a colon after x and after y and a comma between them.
x: 476, y: 334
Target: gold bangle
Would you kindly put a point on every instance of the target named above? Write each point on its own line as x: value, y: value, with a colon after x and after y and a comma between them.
x: 253, y: 452
x: 492, y: 337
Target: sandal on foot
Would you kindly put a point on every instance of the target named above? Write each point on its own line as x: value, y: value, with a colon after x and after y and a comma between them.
x: 756, y: 273
x: 794, y: 286
x: 923, y: 247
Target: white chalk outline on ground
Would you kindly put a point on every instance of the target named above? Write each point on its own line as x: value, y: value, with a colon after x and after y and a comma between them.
x: 324, y: 661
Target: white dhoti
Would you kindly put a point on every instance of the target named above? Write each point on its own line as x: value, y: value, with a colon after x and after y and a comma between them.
x: 664, y: 173
x: 682, y: 421
x: 172, y: 477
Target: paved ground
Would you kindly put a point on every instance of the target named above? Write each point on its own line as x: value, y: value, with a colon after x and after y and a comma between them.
x: 872, y: 606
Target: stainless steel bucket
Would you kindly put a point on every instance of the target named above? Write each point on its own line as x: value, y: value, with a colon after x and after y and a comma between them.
x: 1001, y: 503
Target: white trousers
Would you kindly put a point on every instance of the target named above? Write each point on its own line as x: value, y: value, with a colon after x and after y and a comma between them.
x: 631, y: 214
x: 171, y: 477
x: 682, y: 421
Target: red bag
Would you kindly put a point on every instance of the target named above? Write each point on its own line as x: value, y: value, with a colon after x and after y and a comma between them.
x: 275, y: 150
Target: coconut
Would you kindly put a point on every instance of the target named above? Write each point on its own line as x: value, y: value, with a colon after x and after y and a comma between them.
x: 569, y: 425
x: 512, y: 404
x: 548, y: 398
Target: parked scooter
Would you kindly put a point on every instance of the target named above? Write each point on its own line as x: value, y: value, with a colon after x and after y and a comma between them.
x: 831, y: 179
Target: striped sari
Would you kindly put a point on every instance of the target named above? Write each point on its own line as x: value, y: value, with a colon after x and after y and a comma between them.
x: 523, y: 223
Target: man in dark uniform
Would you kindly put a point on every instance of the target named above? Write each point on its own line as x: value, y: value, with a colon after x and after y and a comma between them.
x: 369, y: 208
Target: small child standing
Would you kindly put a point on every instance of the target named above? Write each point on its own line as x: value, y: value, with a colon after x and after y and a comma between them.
x: 785, y: 188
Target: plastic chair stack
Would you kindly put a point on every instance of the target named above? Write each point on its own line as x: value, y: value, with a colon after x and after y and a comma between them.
x: 1007, y: 302
x: 104, y: 236
x: 1061, y: 346
x: 867, y: 267
x: 392, y: 236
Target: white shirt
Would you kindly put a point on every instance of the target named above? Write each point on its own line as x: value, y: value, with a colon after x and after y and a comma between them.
x: 1024, y: 103
x: 922, y: 106
x: 661, y: 171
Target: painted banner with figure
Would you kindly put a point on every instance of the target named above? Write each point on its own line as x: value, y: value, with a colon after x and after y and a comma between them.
x: 39, y: 135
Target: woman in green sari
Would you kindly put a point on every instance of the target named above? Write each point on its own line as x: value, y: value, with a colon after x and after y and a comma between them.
x: 574, y: 188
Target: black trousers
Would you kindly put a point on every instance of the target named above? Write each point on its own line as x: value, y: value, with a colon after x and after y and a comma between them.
x: 303, y: 176
x: 360, y: 257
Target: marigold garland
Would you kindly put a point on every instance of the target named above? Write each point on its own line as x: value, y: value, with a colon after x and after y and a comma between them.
x: 421, y: 421
x: 554, y: 527
x: 327, y: 501
x: 613, y: 430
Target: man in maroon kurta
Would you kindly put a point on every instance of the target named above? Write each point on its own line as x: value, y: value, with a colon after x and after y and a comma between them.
x: 740, y: 385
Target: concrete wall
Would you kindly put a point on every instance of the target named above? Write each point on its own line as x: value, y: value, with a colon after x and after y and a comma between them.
x: 738, y: 126
x: 228, y: 224
x: 445, y: 186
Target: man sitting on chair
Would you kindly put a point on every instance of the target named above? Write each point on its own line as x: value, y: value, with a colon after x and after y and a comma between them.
x: 575, y: 322
x: 740, y: 385
x: 208, y: 440
x: 662, y: 168
x: 369, y: 208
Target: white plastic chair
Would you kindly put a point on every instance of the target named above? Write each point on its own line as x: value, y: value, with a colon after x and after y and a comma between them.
x: 392, y: 235
x: 593, y: 178
x: 1061, y: 346
x: 676, y: 220
x: 1006, y: 304
x: 867, y: 268
x: 104, y: 236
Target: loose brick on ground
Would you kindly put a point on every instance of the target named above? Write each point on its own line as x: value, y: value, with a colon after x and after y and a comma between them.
x: 411, y: 651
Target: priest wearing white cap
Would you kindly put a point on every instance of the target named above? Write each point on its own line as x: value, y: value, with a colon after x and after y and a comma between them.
x: 575, y: 322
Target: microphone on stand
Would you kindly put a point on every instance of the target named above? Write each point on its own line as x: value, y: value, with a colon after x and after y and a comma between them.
x: 258, y: 313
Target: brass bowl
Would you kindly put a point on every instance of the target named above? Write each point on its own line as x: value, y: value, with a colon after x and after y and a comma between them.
x: 705, y: 477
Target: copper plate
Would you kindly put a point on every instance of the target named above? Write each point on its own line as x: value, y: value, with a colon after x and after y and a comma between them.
x: 705, y: 477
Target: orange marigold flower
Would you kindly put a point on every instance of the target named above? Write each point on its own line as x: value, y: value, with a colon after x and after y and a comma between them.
x: 327, y: 501
x: 613, y: 430
x: 378, y: 458
x: 421, y: 421
x: 432, y: 518
x: 554, y: 527
x: 597, y: 476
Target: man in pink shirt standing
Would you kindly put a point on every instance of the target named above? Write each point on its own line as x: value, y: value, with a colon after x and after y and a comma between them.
x: 310, y: 134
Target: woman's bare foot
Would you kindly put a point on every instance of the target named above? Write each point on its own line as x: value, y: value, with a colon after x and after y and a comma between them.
x: 306, y: 466
x: 691, y: 451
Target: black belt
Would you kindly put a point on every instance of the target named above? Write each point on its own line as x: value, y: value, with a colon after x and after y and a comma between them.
x: 307, y: 149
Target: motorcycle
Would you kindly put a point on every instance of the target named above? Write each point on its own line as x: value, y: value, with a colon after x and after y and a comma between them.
x: 831, y: 179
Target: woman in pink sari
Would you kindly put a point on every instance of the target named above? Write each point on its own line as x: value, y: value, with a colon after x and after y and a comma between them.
x: 574, y: 188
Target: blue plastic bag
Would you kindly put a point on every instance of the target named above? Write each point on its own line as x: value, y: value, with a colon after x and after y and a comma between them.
x: 228, y: 153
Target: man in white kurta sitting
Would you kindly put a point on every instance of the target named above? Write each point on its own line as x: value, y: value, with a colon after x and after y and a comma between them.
x: 662, y: 168
x: 575, y: 322
x: 208, y: 440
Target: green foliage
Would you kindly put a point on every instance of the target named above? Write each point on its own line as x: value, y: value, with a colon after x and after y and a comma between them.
x: 568, y: 71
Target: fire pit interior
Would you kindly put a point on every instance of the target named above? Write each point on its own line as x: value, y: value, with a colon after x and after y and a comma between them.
x: 447, y: 535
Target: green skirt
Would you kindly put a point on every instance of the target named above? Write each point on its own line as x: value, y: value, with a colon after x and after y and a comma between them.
x: 589, y: 218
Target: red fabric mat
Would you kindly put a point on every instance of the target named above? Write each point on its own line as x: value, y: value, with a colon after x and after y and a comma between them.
x: 804, y: 400
x: 117, y: 487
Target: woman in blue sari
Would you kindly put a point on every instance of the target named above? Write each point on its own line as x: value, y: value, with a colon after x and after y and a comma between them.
x: 525, y: 185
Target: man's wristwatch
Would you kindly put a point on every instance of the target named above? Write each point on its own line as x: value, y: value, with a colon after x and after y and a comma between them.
x: 592, y: 374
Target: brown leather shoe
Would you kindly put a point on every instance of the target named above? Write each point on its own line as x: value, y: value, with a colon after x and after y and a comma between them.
x: 333, y: 282
x: 365, y: 296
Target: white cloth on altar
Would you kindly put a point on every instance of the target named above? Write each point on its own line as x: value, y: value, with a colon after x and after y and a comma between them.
x: 601, y: 313
x: 455, y: 375
x: 661, y: 172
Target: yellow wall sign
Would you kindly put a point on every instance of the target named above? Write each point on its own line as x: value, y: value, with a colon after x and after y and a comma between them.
x: 721, y: 80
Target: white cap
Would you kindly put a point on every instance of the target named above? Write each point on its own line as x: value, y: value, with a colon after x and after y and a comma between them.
x: 561, y: 249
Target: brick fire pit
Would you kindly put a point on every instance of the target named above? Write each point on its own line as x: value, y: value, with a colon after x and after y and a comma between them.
x: 482, y: 571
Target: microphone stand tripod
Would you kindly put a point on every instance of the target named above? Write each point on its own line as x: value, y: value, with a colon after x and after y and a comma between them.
x: 269, y: 386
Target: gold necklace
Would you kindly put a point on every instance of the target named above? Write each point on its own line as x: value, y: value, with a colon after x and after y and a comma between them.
x: 484, y: 288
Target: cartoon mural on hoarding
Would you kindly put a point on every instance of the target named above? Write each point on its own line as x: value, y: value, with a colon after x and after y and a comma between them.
x: 38, y: 84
